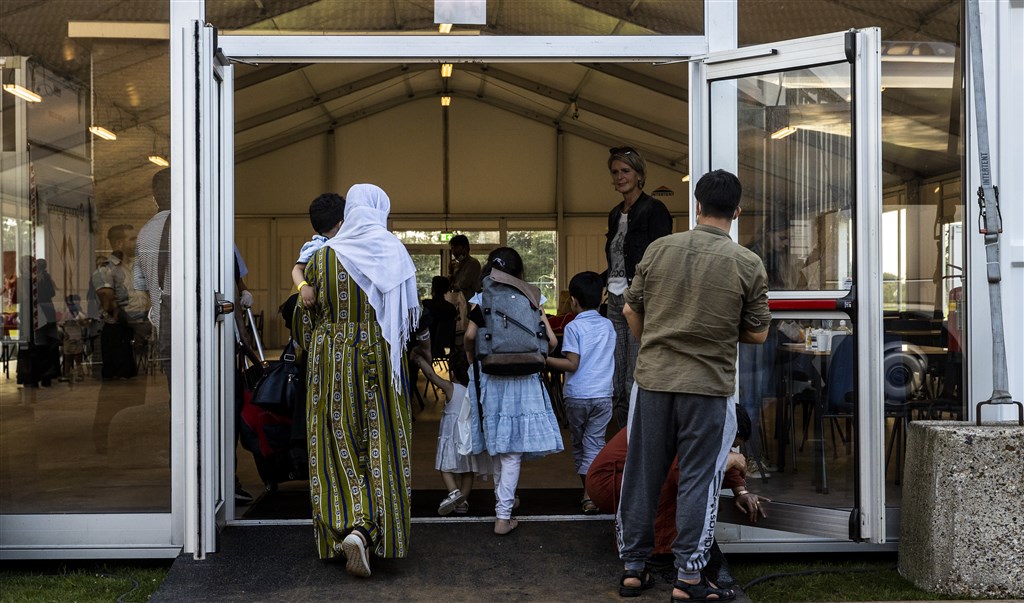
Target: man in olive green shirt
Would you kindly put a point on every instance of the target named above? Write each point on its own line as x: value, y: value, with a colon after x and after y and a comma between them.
x: 694, y: 297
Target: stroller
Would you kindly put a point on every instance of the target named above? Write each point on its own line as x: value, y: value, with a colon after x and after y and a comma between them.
x: 272, y: 423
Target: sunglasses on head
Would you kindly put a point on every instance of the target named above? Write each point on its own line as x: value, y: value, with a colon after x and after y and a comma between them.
x: 621, y: 150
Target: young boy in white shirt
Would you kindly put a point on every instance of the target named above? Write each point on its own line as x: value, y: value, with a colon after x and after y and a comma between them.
x: 326, y: 213
x: 588, y: 345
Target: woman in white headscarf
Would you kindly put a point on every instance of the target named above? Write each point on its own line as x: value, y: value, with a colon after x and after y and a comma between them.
x: 357, y: 413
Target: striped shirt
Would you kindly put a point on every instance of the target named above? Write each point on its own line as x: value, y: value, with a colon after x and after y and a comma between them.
x: 147, y: 263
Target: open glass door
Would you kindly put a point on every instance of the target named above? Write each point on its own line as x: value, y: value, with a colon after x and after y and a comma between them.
x: 799, y: 123
x: 212, y: 351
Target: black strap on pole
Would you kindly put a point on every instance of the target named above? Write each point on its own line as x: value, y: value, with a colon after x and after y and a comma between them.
x: 990, y: 221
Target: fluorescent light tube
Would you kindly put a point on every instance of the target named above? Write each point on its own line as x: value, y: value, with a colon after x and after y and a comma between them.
x: 783, y: 132
x: 103, y: 133
x: 158, y: 160
x: 23, y: 93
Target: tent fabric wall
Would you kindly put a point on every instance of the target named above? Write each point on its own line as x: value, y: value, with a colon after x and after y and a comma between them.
x: 500, y: 164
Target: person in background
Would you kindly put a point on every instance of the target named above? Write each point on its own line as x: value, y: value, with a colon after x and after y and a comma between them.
x: 110, y: 283
x: 457, y: 470
x: 39, y: 361
x: 116, y: 339
x: 357, y: 404
x: 152, y: 271
x: 73, y: 329
x: 443, y: 318
x: 589, y: 348
x: 694, y: 296
x: 757, y: 375
x: 245, y: 300
x: 325, y: 215
x: 464, y: 270
x: 633, y: 224
x: 464, y: 274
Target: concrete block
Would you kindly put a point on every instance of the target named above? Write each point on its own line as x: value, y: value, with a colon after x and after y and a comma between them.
x: 962, y: 518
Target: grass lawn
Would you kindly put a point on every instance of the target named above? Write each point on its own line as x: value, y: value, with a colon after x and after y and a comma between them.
x: 825, y: 577
x: 81, y: 581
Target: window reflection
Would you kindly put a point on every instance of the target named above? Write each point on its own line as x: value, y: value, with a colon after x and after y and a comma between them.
x: 84, y: 402
x: 795, y: 162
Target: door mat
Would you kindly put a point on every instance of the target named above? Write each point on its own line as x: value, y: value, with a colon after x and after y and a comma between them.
x: 294, y: 504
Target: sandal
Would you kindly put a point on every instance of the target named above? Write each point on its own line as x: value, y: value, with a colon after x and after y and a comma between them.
x: 702, y: 591
x: 589, y: 508
x: 645, y: 577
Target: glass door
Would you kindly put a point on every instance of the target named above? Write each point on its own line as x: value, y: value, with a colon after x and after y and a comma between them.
x: 799, y: 123
x: 87, y: 439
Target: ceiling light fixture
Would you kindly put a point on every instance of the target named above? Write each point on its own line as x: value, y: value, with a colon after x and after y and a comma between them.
x: 103, y: 133
x: 446, y: 69
x: 783, y: 132
x: 446, y: 100
x: 23, y: 93
x: 686, y: 178
x: 444, y: 28
x: 158, y: 160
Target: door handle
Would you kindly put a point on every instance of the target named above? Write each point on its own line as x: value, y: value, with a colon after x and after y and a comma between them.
x: 222, y: 306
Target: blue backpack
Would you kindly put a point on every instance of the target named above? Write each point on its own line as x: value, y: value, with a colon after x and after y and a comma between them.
x: 513, y: 340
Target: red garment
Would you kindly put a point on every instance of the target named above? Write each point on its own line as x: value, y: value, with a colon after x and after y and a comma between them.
x: 604, y: 482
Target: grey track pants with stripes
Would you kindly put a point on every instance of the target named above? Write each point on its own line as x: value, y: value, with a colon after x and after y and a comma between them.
x: 700, y: 430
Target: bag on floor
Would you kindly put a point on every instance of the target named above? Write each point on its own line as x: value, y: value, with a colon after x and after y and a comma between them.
x: 513, y: 340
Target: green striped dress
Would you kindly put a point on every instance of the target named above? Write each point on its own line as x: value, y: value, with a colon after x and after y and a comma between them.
x: 357, y: 424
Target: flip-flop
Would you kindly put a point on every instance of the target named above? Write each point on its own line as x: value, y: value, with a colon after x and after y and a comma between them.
x: 511, y: 524
x: 588, y: 506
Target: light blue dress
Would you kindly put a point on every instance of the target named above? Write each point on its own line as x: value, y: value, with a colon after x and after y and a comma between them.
x: 517, y: 414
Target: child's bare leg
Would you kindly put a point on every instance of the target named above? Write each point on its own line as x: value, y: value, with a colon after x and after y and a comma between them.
x: 466, y: 483
x: 449, y: 481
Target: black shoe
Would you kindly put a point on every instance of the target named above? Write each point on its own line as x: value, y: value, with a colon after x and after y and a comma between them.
x: 242, y: 497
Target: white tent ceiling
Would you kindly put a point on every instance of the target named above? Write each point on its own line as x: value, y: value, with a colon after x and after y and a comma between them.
x: 607, y: 103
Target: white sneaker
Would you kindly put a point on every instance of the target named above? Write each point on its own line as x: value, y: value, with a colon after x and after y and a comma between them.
x: 357, y: 560
x: 451, y: 501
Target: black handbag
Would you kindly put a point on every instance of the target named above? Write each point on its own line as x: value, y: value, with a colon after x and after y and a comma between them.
x: 283, y: 387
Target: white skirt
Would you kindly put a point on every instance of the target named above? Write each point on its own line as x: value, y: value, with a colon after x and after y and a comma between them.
x: 448, y: 458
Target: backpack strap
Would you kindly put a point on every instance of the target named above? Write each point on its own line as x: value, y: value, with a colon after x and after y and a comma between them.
x: 479, y: 401
x: 531, y: 292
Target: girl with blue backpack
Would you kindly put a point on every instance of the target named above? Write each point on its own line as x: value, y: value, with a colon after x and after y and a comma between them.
x: 507, y: 340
